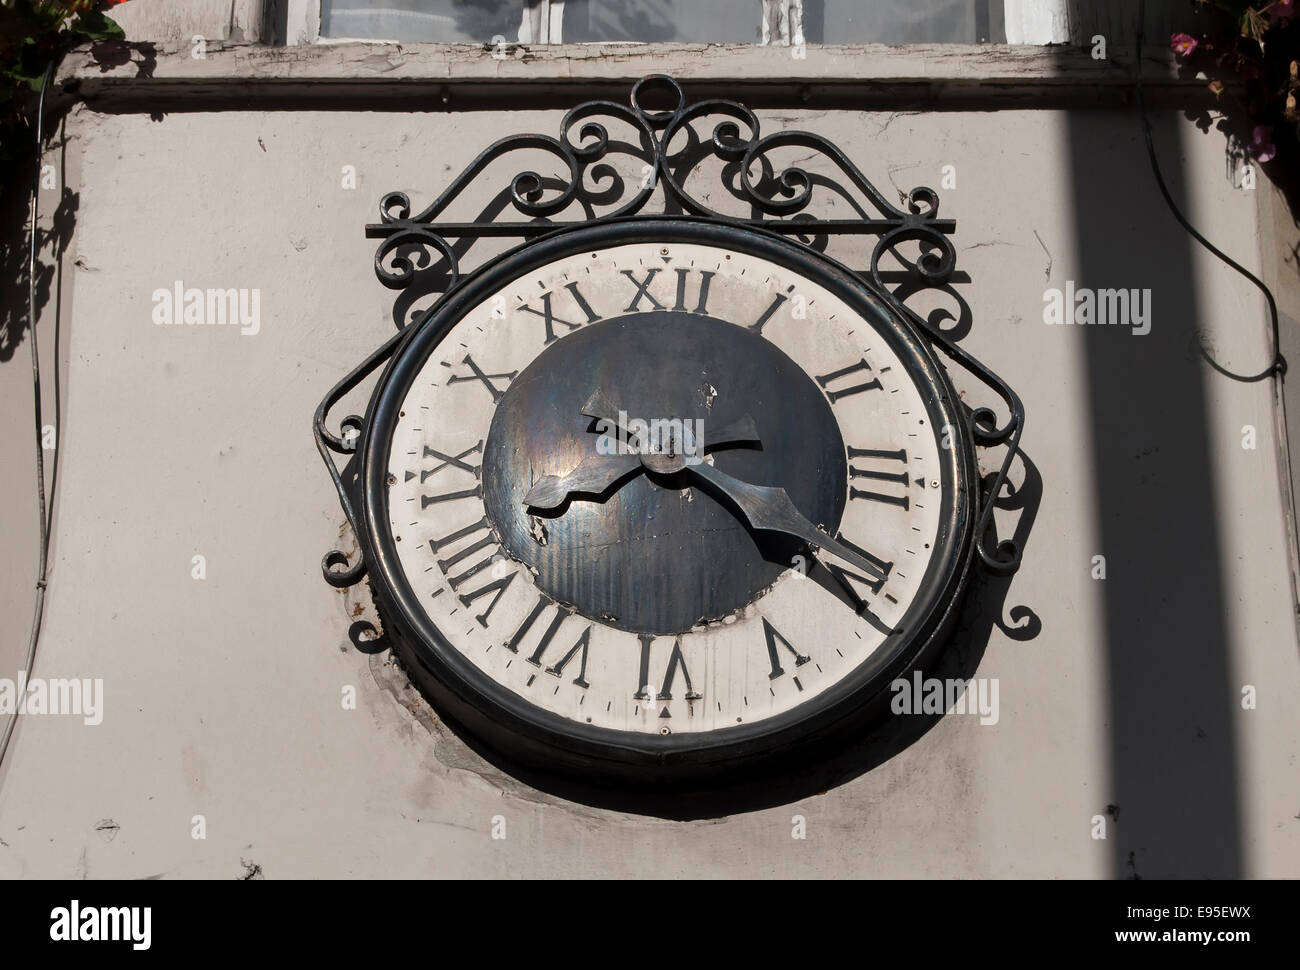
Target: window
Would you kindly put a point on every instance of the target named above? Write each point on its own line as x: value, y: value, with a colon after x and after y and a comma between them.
x: 678, y: 21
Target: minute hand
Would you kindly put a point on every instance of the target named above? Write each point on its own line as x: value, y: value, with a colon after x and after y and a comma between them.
x: 768, y: 507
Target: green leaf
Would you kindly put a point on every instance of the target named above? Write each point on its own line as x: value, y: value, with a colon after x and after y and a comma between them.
x: 96, y: 26
x: 30, y: 75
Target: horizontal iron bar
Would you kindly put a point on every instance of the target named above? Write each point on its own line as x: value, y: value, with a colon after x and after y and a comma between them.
x: 874, y: 227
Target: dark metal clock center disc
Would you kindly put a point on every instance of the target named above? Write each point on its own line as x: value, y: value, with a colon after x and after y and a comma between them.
x: 657, y: 553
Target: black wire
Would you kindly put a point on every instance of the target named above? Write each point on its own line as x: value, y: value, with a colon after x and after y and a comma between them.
x: 1278, y: 365
x: 36, y: 390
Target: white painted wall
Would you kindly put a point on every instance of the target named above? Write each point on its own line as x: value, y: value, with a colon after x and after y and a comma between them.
x: 222, y: 695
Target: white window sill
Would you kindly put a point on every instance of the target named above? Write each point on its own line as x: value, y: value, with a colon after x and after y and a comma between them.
x: 372, y: 76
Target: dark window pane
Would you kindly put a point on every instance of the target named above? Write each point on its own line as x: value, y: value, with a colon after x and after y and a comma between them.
x: 651, y: 21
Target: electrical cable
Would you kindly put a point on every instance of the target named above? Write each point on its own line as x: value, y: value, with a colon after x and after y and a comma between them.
x: 1278, y: 364
x: 44, y: 552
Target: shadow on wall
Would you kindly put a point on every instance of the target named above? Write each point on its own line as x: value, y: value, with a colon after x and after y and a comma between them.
x: 58, y: 210
x: 1175, y: 796
x: 51, y: 244
x: 15, y: 200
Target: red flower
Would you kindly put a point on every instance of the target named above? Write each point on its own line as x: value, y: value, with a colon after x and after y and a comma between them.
x: 1183, y: 44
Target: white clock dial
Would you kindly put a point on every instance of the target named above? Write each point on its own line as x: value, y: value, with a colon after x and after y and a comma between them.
x: 587, y: 650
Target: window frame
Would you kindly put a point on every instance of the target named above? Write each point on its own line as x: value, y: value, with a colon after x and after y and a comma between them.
x: 1032, y: 22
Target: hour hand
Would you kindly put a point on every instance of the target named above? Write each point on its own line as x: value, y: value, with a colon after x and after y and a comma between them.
x: 593, y: 476
x: 768, y: 507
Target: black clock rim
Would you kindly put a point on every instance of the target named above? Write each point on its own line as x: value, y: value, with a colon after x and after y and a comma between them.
x: 524, y: 733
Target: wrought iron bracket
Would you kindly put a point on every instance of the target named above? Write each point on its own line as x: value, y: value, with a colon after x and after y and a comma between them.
x: 335, y: 563
x: 425, y: 254
x: 999, y: 556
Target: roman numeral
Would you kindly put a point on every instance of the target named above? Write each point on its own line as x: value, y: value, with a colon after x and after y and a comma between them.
x: 427, y: 500
x: 879, y: 573
x: 683, y: 275
x: 706, y: 278
x: 675, y: 660
x: 438, y: 544
x: 642, y: 290
x: 772, y: 636
x: 757, y: 326
x: 877, y: 458
x: 557, y: 669
x: 496, y: 587
x: 454, y: 560
x: 875, y: 581
x: 561, y: 614
x: 551, y: 319
x: 447, y: 540
x: 451, y: 460
x: 486, y: 379
x: 873, y: 385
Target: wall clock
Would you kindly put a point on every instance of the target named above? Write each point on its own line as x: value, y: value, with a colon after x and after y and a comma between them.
x: 658, y: 498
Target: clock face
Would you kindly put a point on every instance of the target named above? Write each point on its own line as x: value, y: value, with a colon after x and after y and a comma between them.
x: 664, y: 488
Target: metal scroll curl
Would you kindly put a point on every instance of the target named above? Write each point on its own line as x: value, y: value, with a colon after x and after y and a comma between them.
x: 1000, y: 557
x: 665, y: 146
x: 335, y: 566
x: 616, y: 160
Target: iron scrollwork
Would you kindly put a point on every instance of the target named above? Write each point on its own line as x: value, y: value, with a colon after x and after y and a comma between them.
x: 424, y: 255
